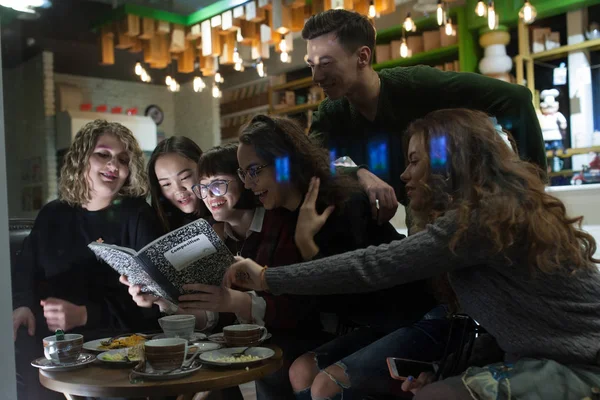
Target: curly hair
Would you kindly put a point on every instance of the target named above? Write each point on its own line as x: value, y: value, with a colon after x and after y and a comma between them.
x: 275, y: 137
x: 184, y: 147
x: 223, y: 160
x: 73, y: 186
x: 490, y: 186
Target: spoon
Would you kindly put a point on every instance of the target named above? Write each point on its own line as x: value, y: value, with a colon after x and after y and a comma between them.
x: 187, y: 364
x: 241, y: 353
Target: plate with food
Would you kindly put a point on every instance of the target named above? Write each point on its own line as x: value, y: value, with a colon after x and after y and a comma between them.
x: 122, y: 357
x: 119, y: 342
x: 227, y: 358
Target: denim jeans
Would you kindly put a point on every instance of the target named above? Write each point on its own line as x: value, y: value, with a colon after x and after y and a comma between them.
x: 362, y: 354
x: 277, y: 385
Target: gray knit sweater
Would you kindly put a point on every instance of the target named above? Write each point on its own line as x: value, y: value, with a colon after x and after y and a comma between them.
x: 547, y: 316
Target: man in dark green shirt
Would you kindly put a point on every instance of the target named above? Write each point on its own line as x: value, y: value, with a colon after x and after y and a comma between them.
x: 366, y: 112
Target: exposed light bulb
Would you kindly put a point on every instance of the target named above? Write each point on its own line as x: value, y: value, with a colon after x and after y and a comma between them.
x: 528, y: 12
x: 239, y: 36
x: 219, y: 78
x: 238, y: 66
x: 492, y: 19
x: 236, y: 56
x: 260, y: 69
x: 283, y: 45
x: 285, y: 57
x: 173, y: 85
x: 168, y: 80
x: 480, y: 9
x: 409, y: 24
x: 138, y: 69
x: 372, y: 11
x: 403, y: 49
x: 198, y: 84
x: 215, y: 91
x: 440, y: 13
x: 448, y: 28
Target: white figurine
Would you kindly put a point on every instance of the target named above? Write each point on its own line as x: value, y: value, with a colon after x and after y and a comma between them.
x: 552, y: 121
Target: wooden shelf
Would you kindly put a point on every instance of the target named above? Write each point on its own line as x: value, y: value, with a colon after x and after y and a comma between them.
x: 295, y: 109
x: 563, y: 51
x: 572, y: 152
x: 428, y: 57
x: 293, y: 85
x: 564, y: 172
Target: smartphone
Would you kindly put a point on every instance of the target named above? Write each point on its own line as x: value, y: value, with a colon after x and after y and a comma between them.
x: 402, y: 368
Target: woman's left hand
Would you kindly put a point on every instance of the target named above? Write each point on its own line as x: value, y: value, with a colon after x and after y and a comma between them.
x: 211, y: 298
x: 310, y: 221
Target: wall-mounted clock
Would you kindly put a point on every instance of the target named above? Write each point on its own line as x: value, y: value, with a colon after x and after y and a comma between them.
x: 153, y: 111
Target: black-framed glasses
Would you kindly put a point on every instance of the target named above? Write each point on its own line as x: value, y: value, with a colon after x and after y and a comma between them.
x: 218, y: 188
x: 251, y: 172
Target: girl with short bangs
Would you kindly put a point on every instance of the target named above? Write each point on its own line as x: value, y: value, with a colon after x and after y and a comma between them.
x: 518, y: 264
x: 58, y: 282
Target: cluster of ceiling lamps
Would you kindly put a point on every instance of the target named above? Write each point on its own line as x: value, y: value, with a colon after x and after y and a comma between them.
x: 142, y: 73
x: 442, y: 17
x: 527, y: 13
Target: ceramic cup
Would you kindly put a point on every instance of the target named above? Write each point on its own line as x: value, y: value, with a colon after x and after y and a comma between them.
x: 167, y: 354
x: 63, y: 351
x: 244, y: 335
x: 178, y: 325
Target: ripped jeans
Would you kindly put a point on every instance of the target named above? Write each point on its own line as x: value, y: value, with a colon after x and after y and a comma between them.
x: 362, y: 355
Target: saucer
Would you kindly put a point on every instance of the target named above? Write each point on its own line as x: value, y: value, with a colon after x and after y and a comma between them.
x: 159, y: 376
x: 218, y: 338
x: 194, y: 337
x: 46, y: 365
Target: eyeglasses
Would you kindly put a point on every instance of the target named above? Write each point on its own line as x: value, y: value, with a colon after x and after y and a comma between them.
x: 251, y: 172
x: 217, y: 188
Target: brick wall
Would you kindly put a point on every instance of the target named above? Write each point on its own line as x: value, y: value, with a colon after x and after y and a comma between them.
x: 26, y: 137
x: 197, y: 115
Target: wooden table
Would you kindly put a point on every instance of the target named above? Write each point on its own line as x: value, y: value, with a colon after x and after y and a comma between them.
x: 99, y: 381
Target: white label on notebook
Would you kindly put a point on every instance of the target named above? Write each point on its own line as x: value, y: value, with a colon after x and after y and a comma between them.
x: 189, y: 251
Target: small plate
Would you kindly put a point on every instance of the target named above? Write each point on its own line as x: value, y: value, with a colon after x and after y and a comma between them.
x: 218, y: 338
x: 158, y: 376
x: 105, y: 357
x: 203, y: 347
x: 46, y: 365
x: 195, y: 337
x: 212, y: 357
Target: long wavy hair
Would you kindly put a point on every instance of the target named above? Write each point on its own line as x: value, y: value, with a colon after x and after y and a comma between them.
x: 186, y: 148
x: 483, y: 177
x: 223, y: 160
x: 73, y: 186
x: 275, y: 137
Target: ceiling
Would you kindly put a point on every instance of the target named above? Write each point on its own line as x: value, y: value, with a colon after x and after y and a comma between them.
x: 183, y: 7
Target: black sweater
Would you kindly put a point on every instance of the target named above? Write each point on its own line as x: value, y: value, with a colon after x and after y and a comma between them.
x: 56, y: 262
